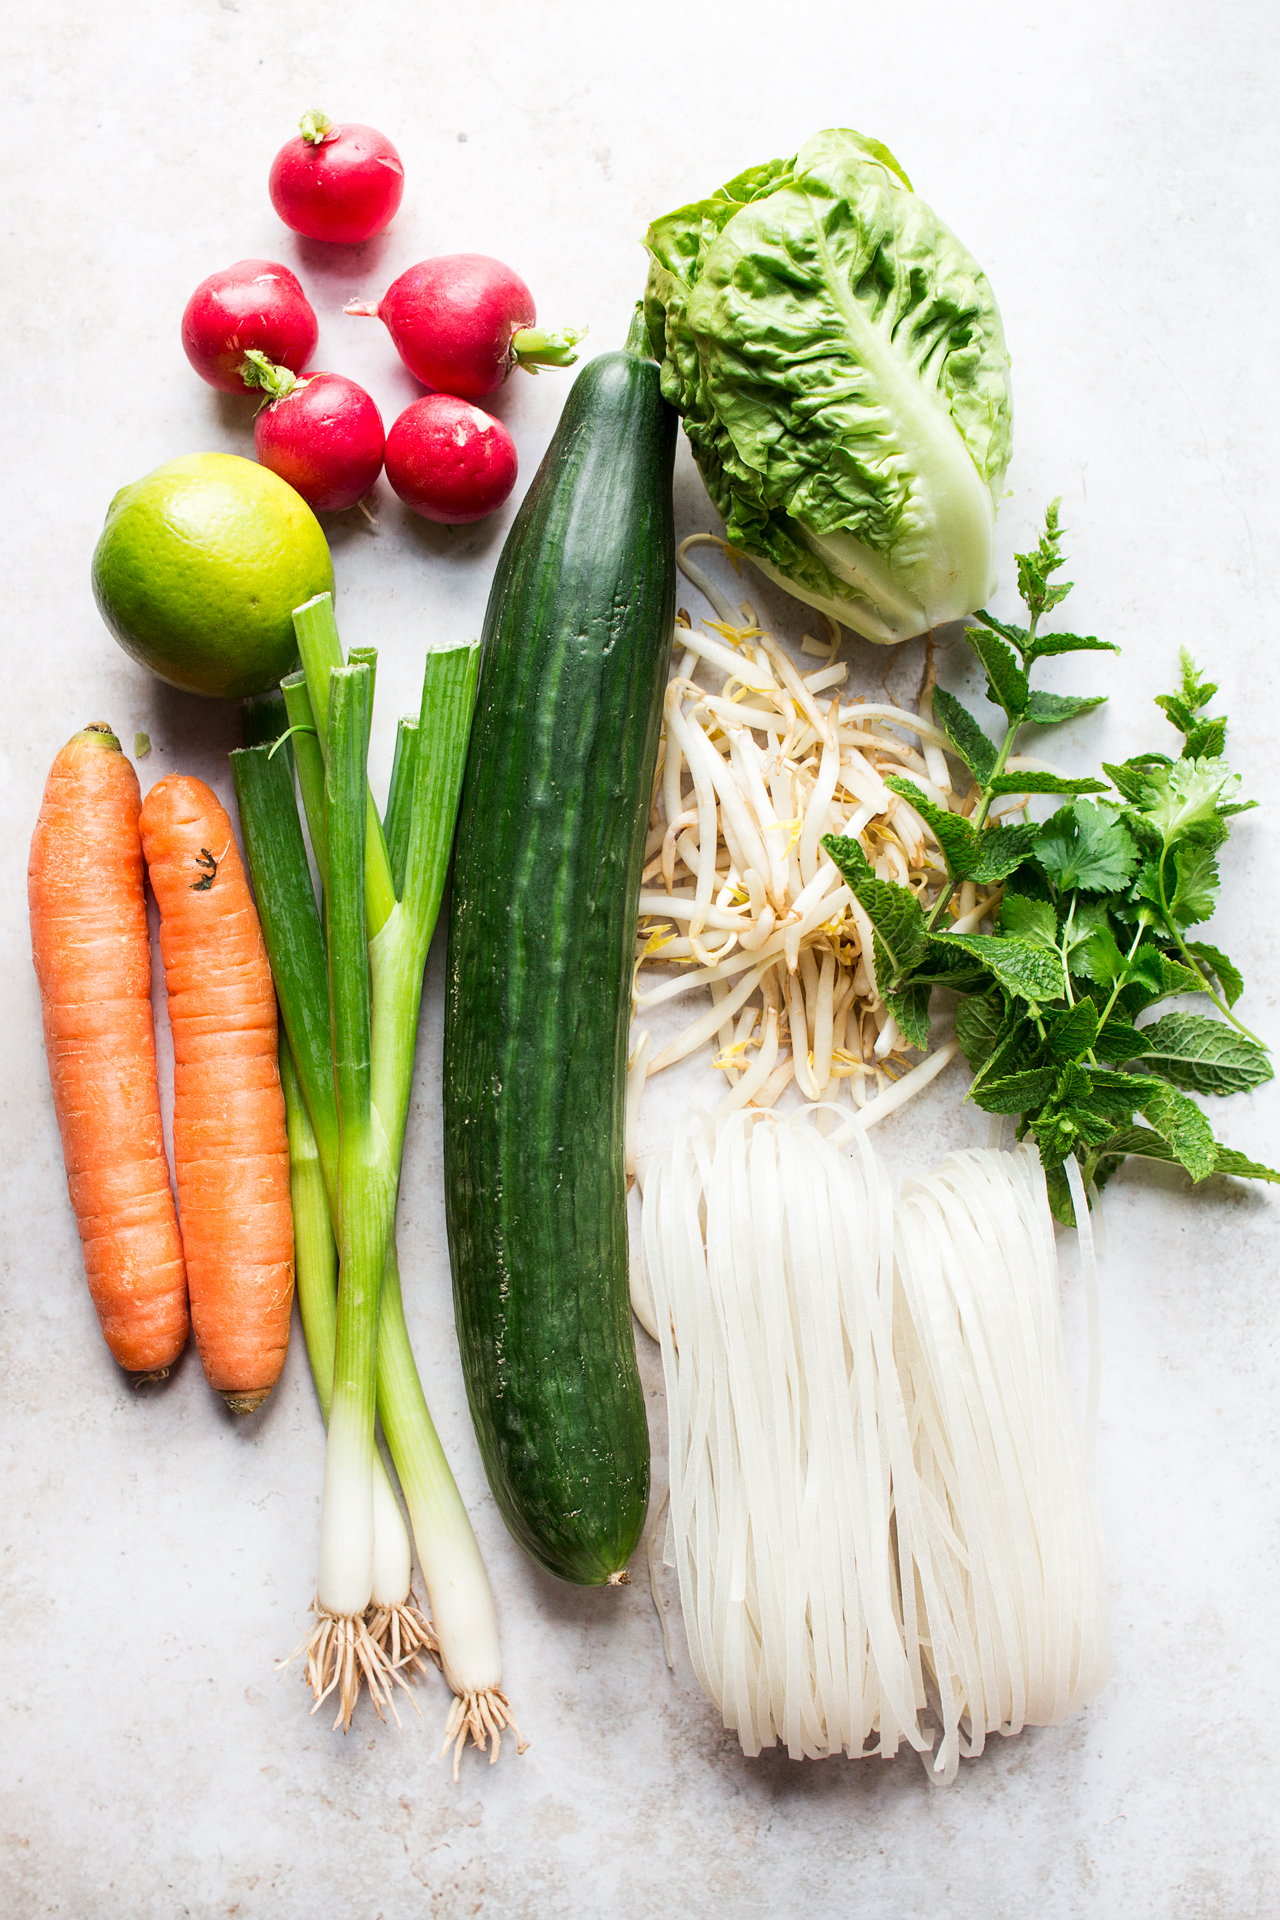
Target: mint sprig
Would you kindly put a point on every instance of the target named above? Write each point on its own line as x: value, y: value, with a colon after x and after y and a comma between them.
x: 1097, y: 904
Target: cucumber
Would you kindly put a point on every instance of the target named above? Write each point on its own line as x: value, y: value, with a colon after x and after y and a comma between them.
x: 547, y: 864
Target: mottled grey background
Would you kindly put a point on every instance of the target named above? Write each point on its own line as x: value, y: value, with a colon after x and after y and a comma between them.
x: 1114, y: 168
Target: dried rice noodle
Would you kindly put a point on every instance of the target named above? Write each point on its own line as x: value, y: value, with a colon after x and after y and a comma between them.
x: 880, y: 1513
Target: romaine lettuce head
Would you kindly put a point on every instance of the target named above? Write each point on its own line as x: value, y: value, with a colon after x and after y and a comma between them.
x: 839, y: 361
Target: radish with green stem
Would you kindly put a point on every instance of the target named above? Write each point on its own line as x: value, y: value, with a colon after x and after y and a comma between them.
x: 321, y: 433
x: 253, y: 305
x: 462, y: 321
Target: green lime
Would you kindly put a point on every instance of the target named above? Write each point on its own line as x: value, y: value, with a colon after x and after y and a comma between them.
x: 199, y: 568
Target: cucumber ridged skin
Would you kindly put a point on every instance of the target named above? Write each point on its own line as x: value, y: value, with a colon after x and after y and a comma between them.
x: 547, y: 865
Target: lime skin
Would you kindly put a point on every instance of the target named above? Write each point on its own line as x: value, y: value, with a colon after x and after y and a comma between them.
x: 198, y: 570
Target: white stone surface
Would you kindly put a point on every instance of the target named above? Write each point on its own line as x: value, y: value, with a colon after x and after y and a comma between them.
x: 1114, y: 168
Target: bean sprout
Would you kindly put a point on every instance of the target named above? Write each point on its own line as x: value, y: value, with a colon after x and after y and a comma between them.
x: 753, y: 772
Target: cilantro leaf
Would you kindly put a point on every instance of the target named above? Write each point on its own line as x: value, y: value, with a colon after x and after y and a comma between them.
x: 1197, y: 884
x: 1026, y: 972
x: 1031, y: 920
x: 1029, y: 782
x: 965, y: 735
x: 1147, y: 1145
x: 1086, y: 847
x: 1051, y: 709
x: 1201, y: 1055
x: 901, y: 940
x: 1227, y: 975
x: 1098, y: 958
x: 1184, y: 797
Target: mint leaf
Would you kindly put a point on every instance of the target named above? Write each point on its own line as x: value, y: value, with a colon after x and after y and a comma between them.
x: 1201, y: 1055
x: 1180, y: 1122
x: 1227, y: 975
x: 1196, y: 692
x: 951, y: 830
x: 1029, y: 782
x: 1017, y: 1047
x: 910, y: 1008
x: 1177, y: 711
x: 1146, y: 1145
x: 1018, y: 636
x: 1006, y: 680
x: 1025, y: 972
x: 1175, y: 978
x: 1087, y: 848
x: 901, y: 939
x: 1015, y: 1092
x: 965, y: 735
x: 1034, y: 568
x: 1059, y: 1194
x: 979, y: 1020
x: 1045, y: 644
x: 1118, y: 1042
x: 1051, y: 709
x: 1114, y: 1097
x: 1127, y: 779
x: 1073, y: 1033
x: 988, y: 856
x: 1206, y: 740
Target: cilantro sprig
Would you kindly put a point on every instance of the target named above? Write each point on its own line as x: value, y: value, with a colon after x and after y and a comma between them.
x: 1097, y: 904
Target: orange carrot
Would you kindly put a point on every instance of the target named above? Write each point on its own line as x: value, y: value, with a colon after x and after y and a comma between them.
x: 230, y: 1150
x: 92, y: 957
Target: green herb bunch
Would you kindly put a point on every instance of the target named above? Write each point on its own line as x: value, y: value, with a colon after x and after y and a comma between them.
x: 1093, y: 927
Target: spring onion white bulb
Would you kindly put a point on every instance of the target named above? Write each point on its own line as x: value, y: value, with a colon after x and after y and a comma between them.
x: 879, y: 1510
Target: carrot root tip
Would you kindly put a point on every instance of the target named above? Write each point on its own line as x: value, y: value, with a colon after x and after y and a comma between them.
x: 246, y: 1402
x: 150, y: 1378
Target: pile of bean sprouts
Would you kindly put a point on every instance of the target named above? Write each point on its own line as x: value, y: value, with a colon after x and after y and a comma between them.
x: 739, y: 897
x: 882, y: 1520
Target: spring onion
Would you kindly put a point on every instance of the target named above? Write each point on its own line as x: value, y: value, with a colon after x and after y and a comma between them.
x: 401, y: 899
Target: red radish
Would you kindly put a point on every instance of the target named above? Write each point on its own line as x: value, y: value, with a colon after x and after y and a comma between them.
x: 322, y: 434
x: 336, y: 183
x: 256, y: 304
x: 449, y: 461
x: 461, y: 321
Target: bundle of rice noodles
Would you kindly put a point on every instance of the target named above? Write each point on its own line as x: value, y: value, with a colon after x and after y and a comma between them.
x: 879, y: 1509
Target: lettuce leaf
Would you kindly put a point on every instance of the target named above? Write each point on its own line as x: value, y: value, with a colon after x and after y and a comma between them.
x: 839, y: 361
